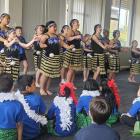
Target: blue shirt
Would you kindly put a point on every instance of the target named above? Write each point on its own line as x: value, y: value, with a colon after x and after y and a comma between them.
x: 135, y: 108
x: 31, y: 129
x: 83, y: 103
x: 22, y: 40
x: 54, y: 112
x: 85, y: 99
x: 11, y: 113
x: 97, y: 132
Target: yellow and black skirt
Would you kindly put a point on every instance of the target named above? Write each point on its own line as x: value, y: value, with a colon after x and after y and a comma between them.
x: 73, y: 60
x: 2, y: 59
x: 62, y: 54
x: 37, y: 59
x: 87, y: 62
x: 135, y: 66
x: 98, y: 60
x: 114, y: 63
x: 14, y: 68
x: 50, y: 66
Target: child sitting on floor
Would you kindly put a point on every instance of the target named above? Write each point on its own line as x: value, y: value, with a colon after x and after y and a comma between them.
x: 100, y: 112
x: 11, y: 111
x: 108, y: 94
x: 63, y: 111
x: 90, y: 90
x: 31, y: 126
x: 133, y: 114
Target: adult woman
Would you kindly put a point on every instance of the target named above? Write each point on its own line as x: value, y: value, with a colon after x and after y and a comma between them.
x: 98, y: 48
x: 73, y: 57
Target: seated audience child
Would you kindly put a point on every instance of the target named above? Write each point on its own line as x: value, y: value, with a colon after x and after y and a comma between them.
x: 90, y: 90
x: 63, y: 112
x: 107, y: 93
x: 12, y: 111
x: 133, y: 114
x: 31, y: 127
x: 113, y: 86
x: 100, y: 112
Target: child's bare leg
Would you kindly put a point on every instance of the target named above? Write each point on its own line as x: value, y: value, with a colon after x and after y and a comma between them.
x: 25, y: 66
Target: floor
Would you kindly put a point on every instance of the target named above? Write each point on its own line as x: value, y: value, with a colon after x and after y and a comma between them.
x: 128, y: 92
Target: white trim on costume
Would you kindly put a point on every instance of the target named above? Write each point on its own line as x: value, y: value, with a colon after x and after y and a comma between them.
x: 90, y: 93
x: 65, y: 111
x: 19, y: 97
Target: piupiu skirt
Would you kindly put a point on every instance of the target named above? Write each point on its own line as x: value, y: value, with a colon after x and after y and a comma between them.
x: 2, y: 59
x: 12, y: 69
x: 98, y: 60
x: 50, y: 66
x: 73, y: 60
x: 37, y: 60
x: 135, y: 66
x: 114, y: 63
x: 87, y: 62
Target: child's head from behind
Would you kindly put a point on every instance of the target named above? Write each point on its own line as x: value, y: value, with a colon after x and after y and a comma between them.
x: 64, y: 90
x: 6, y: 83
x: 99, y: 110
x: 26, y: 84
x: 91, y: 85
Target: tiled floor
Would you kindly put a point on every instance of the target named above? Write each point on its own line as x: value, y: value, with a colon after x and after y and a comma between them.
x: 127, y: 92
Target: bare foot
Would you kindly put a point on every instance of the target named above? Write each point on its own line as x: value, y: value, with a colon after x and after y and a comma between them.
x: 37, y: 85
x: 134, y: 81
x: 129, y: 80
x: 49, y: 92
x: 42, y: 92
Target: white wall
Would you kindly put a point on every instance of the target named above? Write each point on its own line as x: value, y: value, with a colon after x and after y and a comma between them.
x: 136, y: 26
x: 37, y: 12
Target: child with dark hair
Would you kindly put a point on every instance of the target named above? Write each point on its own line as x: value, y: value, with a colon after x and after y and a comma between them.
x: 90, y: 90
x: 87, y: 56
x: 12, y: 111
x: 12, y: 52
x: 31, y: 125
x: 135, y: 61
x: 63, y: 111
x: 22, y: 54
x: 4, y: 21
x: 110, y: 97
x: 100, y: 112
x: 39, y: 31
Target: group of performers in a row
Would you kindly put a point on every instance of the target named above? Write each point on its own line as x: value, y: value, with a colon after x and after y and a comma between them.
x: 63, y: 54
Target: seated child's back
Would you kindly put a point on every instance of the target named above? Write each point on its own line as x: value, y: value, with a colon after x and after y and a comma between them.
x: 100, y: 112
x: 11, y: 110
x: 31, y: 128
x: 63, y: 111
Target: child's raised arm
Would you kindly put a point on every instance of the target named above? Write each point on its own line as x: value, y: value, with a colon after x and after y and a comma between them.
x: 8, y: 44
x: 28, y: 45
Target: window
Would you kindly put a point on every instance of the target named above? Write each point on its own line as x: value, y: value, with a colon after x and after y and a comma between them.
x: 121, y: 19
x: 75, y: 9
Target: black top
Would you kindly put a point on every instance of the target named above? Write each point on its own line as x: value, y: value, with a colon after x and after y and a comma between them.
x: 13, y: 51
x: 135, y: 55
x: 97, y: 132
x: 96, y: 48
x: 75, y: 42
x: 52, y: 45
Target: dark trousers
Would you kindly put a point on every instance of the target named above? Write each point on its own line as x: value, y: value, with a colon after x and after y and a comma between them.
x: 130, y: 121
